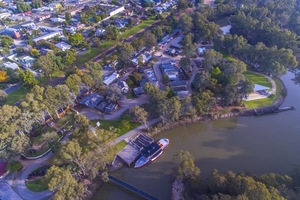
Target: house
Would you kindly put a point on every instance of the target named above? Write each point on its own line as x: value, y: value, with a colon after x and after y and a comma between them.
x: 103, y: 104
x: 27, y: 61
x: 124, y: 87
x: 55, y: 6
x: 113, y: 77
x: 12, y: 32
x: 63, y: 46
x: 4, y: 15
x: 99, y: 32
x: 151, y: 77
x: 44, y: 51
x: 91, y: 100
x: 145, y: 57
x: 111, y: 108
x: 11, y: 65
x: 116, y: 11
x: 57, y: 19
x: 48, y: 36
x: 169, y: 70
x: 138, y: 91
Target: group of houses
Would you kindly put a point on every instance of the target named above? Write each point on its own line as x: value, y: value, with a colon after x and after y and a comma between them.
x: 99, y: 102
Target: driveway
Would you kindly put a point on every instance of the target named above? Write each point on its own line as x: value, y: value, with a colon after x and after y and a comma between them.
x: 93, y: 114
x: 6, y: 192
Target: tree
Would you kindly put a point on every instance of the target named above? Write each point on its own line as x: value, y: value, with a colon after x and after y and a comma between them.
x: 73, y: 81
x: 149, y: 40
x: 185, y: 63
x: 125, y: 55
x: 23, y: 6
x: 3, y: 76
x: 187, y: 171
x: 68, y: 16
x: 12, y: 139
x: 27, y: 78
x: 6, y: 41
x: 70, y: 57
x: 76, y: 39
x: 169, y: 109
x: 139, y: 114
x: 185, y: 23
x: 182, y: 5
x: 37, y: 3
x: 3, y: 97
x: 211, y: 58
x: 111, y: 33
x: 35, y: 53
x: 64, y: 184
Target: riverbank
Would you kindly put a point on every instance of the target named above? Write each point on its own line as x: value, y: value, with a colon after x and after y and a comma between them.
x: 221, y: 113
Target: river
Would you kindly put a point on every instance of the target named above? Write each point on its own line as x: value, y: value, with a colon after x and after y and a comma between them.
x: 261, y: 144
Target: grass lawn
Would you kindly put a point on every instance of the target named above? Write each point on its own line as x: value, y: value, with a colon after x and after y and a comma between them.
x: 138, y: 28
x: 37, y: 185
x: 267, y: 101
x: 258, y: 79
x: 124, y: 124
x: 114, y: 150
x: 64, y: 120
x: 17, y: 95
x: 87, y: 56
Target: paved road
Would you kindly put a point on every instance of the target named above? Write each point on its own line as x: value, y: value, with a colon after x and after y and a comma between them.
x: 6, y: 192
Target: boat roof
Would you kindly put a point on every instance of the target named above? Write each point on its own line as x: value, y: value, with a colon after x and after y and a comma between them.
x: 151, y: 149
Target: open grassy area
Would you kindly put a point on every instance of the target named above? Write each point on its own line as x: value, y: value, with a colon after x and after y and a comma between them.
x: 124, y: 124
x: 114, y: 150
x: 17, y: 95
x: 258, y: 79
x: 37, y: 185
x: 65, y: 119
x: 87, y: 56
x: 138, y: 28
x: 267, y: 101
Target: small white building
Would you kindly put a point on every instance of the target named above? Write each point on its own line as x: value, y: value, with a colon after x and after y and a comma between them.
x: 47, y: 36
x: 63, y: 46
x: 11, y: 65
x: 57, y: 19
x: 99, y: 32
x: 113, y: 77
x: 116, y: 11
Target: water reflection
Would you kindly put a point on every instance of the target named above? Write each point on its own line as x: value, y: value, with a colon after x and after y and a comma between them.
x: 257, y: 144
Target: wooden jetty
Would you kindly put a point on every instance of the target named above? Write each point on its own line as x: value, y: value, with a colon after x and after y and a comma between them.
x: 131, y: 188
x: 266, y: 110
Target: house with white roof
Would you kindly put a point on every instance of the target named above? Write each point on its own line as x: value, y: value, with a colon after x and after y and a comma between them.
x: 63, y: 46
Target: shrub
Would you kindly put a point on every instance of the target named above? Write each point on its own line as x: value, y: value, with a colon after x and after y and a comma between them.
x: 14, y: 166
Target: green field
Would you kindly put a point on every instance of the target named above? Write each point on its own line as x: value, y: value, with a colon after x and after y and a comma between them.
x: 37, y: 185
x: 258, y: 79
x: 138, y: 28
x: 267, y: 101
x: 124, y: 124
x: 17, y: 95
x: 93, y: 52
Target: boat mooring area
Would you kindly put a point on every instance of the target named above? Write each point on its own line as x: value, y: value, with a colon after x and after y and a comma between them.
x: 132, y: 150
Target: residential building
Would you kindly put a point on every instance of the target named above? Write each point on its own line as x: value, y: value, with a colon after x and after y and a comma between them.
x: 116, y: 11
x: 63, y: 46
x: 47, y: 36
x: 4, y: 15
x: 12, y: 32
x: 99, y: 32
x: 11, y: 65
x: 123, y: 86
x: 113, y: 77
